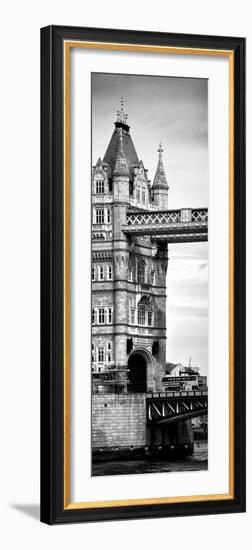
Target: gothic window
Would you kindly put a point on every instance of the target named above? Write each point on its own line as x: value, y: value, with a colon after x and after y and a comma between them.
x: 141, y: 272
x: 109, y: 315
x: 109, y: 357
x: 108, y: 216
x: 101, y: 316
x: 143, y: 195
x: 138, y: 195
x: 109, y: 346
x: 100, y: 355
x: 100, y: 215
x: 93, y: 273
x: 99, y: 187
x: 150, y: 318
x: 153, y: 277
x: 101, y: 272
x: 141, y: 315
x: 109, y: 272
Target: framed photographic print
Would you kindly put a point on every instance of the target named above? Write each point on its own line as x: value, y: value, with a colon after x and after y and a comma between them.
x: 142, y: 274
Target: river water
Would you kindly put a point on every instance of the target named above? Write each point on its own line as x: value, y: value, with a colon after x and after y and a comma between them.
x: 197, y: 461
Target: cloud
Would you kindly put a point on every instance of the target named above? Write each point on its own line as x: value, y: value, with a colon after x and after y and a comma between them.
x: 187, y: 271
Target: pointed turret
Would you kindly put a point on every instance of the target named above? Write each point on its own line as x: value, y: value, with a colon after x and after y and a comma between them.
x: 160, y: 186
x: 121, y: 129
x: 160, y: 181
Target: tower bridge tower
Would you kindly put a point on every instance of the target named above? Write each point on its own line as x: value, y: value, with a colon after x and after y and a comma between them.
x: 128, y: 271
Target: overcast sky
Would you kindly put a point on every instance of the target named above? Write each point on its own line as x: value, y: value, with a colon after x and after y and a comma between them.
x: 173, y: 111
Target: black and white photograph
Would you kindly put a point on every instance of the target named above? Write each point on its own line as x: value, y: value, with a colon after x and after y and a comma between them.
x: 150, y: 188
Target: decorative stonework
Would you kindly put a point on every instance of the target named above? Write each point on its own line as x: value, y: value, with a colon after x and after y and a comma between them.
x: 101, y: 256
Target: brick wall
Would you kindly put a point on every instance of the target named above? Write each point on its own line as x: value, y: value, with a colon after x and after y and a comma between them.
x: 118, y: 420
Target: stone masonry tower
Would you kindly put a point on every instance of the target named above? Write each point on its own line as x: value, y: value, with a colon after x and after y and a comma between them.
x: 128, y: 273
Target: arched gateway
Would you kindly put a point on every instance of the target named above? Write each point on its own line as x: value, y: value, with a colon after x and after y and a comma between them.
x: 139, y: 374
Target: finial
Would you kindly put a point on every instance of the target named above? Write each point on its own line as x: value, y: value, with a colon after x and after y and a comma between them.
x: 122, y: 117
x: 160, y: 149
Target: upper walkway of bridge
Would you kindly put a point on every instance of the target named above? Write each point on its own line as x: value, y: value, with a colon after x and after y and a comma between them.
x: 185, y: 225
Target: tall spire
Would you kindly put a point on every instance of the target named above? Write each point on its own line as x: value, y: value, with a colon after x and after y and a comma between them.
x: 121, y: 166
x: 160, y: 181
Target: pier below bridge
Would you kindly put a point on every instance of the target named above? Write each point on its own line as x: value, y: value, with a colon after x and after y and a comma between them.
x: 145, y: 424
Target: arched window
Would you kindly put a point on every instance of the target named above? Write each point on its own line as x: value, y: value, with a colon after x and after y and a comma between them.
x: 150, y: 318
x: 100, y: 355
x: 141, y: 315
x: 141, y: 272
x: 132, y: 316
x: 109, y: 352
x: 101, y: 272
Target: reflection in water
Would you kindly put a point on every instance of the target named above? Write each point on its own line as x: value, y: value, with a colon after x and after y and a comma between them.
x: 197, y: 461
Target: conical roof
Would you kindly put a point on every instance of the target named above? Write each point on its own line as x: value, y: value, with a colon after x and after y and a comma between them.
x: 160, y: 181
x: 121, y: 128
